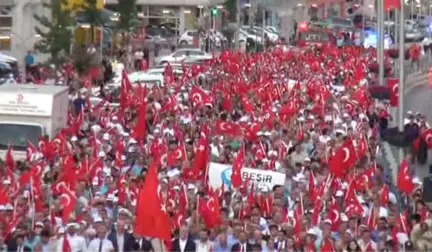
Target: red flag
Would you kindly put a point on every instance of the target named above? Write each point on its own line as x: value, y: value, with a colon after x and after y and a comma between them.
x: 344, y: 158
x: 31, y: 149
x: 239, y: 161
x: 141, y: 124
x: 10, y: 162
x: 66, y: 244
x: 404, y: 179
x: 393, y: 85
x: 384, y: 197
x: 151, y: 216
x: 68, y: 201
x: 391, y: 4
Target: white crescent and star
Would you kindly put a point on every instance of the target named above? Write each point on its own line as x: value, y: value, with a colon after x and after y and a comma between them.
x: 197, y: 98
x: 58, y: 186
x: 163, y: 159
x: 67, y: 199
x: 347, y: 154
x: 396, y: 90
x: 38, y: 169
x: 178, y: 154
x: 336, y: 213
x: 210, y: 206
x: 179, y: 219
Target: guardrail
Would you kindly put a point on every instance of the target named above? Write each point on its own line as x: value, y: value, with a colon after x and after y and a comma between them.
x: 420, y: 67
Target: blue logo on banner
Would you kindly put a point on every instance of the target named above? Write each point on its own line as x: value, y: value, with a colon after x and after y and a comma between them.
x: 226, y: 176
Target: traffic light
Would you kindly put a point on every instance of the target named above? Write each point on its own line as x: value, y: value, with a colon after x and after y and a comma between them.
x: 214, y: 12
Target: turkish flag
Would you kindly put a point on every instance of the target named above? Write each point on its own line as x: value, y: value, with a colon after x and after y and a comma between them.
x: 201, y: 158
x: 238, y: 164
x: 151, y: 216
x: 199, y: 97
x: 391, y: 4
x: 384, y: 197
x: 227, y: 128
x: 179, y: 153
x: 426, y: 135
x: 31, y: 149
x: 393, y: 85
x: 68, y: 201
x: 344, y: 158
x: 141, y: 124
x: 9, y: 160
x: 404, y: 179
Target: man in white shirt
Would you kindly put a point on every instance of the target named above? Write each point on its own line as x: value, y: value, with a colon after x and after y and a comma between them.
x: 101, y: 243
x: 203, y: 244
x: 77, y: 242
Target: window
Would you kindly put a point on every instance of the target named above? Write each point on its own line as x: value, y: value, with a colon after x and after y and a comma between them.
x: 192, y: 33
x: 5, y: 22
x: 179, y: 54
x: 5, y: 43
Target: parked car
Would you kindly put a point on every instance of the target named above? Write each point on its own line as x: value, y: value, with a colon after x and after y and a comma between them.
x: 182, y: 54
x: 187, y: 38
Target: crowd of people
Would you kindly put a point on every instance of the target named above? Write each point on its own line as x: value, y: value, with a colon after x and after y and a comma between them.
x: 273, y: 151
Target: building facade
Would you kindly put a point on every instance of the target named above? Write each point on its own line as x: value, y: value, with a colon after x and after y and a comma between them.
x: 179, y: 14
x: 17, y: 27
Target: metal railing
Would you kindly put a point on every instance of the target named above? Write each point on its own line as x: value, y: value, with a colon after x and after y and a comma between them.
x: 420, y: 67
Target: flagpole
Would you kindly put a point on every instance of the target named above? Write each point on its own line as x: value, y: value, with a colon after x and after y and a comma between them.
x: 380, y: 17
x: 401, y: 86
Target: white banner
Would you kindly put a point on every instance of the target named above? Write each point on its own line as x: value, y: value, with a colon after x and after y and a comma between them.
x: 221, y: 173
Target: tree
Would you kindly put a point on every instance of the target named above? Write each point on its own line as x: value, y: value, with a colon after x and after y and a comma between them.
x: 231, y: 7
x: 55, y: 31
x: 93, y: 16
x: 127, y: 9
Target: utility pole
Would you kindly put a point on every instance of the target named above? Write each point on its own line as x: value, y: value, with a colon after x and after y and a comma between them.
x: 380, y: 16
x: 401, y: 86
x: 238, y: 17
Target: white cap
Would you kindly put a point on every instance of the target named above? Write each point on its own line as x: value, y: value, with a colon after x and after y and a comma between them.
x: 74, y: 139
x: 132, y: 141
x: 95, y: 181
x: 328, y: 221
x: 417, y: 181
x: 111, y: 197
x: 345, y: 115
x: 114, y: 118
x: 2, y: 207
x: 106, y: 136
x: 125, y: 134
x: 409, y: 112
x: 97, y: 219
x: 311, y: 117
x: 339, y: 193
x: 191, y: 187
x: 39, y: 223
x: 123, y: 157
x: 307, y: 159
x: 101, y: 154
x: 312, y: 231
x: 343, y: 217
x: 124, y: 211
x: 60, y: 230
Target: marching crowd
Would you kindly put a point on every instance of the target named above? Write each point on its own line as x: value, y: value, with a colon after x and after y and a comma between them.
x: 273, y: 151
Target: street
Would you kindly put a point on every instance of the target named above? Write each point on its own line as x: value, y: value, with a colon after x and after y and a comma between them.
x: 420, y: 100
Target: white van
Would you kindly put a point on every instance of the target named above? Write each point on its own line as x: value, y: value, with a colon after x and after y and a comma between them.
x: 29, y: 111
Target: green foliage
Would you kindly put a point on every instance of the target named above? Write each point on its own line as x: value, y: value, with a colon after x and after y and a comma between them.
x: 128, y: 15
x: 231, y: 7
x: 55, y: 32
x: 93, y: 15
